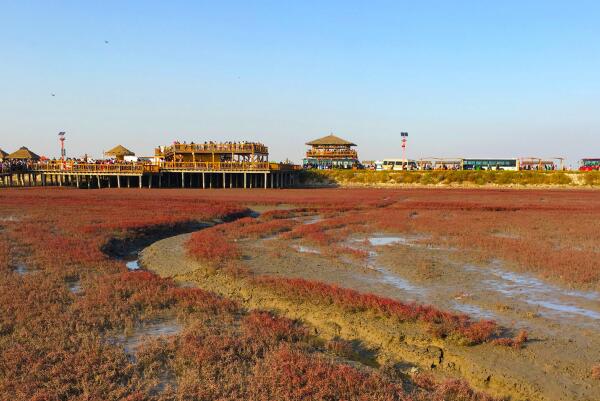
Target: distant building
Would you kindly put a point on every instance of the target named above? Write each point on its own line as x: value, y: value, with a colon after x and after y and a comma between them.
x: 331, y: 152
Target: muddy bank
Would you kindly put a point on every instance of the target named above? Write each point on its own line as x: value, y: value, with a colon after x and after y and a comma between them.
x: 137, y: 239
x: 134, y: 240
x: 553, y: 366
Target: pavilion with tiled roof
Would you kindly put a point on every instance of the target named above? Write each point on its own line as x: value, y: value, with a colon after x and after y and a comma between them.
x: 331, y: 152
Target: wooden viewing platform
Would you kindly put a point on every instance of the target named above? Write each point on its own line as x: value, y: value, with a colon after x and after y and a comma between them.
x: 166, y: 174
x: 183, y: 165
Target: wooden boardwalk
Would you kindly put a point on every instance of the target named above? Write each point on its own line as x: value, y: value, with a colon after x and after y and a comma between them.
x: 233, y: 174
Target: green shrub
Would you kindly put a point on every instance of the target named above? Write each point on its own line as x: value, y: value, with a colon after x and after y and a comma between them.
x: 446, y: 177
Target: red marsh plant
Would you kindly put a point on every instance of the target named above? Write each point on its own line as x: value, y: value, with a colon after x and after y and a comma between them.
x: 56, y: 344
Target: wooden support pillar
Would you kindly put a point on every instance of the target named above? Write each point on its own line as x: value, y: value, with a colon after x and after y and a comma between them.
x: 245, y: 179
x: 109, y: 181
x: 224, y: 180
x: 118, y: 181
x: 77, y: 178
x: 128, y: 181
x: 99, y: 184
x: 203, y: 181
x: 140, y: 182
x: 182, y: 180
x: 150, y: 181
x: 265, y: 180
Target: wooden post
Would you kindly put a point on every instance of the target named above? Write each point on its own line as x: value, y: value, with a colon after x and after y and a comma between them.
x: 224, y: 180
x: 265, y: 180
x: 140, y: 182
x: 203, y: 181
x: 98, y: 177
x: 150, y: 181
x: 118, y: 181
x: 77, y: 178
x: 244, y: 180
x: 89, y: 182
x: 128, y: 181
x: 182, y: 179
x: 109, y: 181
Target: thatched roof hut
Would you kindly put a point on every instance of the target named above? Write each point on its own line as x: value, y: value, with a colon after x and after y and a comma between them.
x: 23, y: 154
x: 3, y: 155
x: 119, y: 152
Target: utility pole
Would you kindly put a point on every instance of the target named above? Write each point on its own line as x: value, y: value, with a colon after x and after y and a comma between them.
x: 63, y: 153
x: 404, y: 135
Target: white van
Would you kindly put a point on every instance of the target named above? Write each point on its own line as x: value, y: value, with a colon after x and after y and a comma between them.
x: 399, y: 165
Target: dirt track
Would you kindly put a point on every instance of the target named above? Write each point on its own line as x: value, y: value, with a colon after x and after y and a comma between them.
x: 563, y: 326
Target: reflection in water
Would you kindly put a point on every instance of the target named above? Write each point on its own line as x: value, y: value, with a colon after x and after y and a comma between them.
x: 74, y: 286
x: 392, y: 279
x: 133, y: 265
x: 131, y: 342
x: 21, y: 269
x: 473, y: 311
x: 306, y: 249
x: 555, y: 300
x: 382, y: 240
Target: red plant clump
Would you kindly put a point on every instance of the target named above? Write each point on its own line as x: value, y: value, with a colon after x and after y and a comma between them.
x: 268, y: 326
x: 448, y: 390
x: 217, y: 249
x: 287, y: 374
x: 516, y: 342
x: 442, y: 324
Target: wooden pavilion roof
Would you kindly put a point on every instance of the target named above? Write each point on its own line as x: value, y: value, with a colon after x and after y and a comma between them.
x: 330, y: 140
x: 23, y: 154
x: 119, y: 150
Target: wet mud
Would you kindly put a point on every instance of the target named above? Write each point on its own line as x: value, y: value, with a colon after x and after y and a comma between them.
x: 562, y: 323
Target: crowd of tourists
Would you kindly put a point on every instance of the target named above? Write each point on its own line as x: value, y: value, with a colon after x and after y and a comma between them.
x: 7, y: 166
x: 221, y: 146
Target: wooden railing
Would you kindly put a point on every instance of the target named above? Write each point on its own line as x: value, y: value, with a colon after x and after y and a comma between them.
x: 93, y: 168
x: 332, y: 153
x: 284, y: 167
x: 141, y: 168
x: 217, y: 148
x: 216, y: 166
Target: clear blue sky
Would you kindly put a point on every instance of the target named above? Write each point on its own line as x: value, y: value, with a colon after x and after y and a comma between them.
x: 477, y: 78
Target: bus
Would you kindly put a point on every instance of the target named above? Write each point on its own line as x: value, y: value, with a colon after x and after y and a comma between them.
x: 490, y: 164
x: 399, y: 165
x: 589, y: 165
